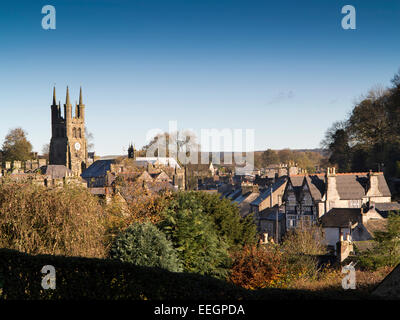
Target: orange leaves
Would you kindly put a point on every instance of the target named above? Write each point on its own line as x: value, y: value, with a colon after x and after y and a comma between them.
x: 257, y: 267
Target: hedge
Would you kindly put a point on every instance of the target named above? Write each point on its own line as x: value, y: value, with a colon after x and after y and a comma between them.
x: 103, y: 279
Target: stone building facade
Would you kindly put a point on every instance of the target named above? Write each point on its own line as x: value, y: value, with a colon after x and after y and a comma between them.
x: 308, y: 197
x: 68, y: 145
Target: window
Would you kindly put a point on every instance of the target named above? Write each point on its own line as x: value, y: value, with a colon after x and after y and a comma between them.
x: 74, y: 132
x: 291, y: 221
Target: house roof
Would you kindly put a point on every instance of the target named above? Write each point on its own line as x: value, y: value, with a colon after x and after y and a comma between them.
x: 316, y: 184
x: 297, y: 183
x: 349, y: 186
x: 266, y: 193
x: 98, y: 168
x: 340, y: 217
x: 242, y: 197
x: 270, y: 214
x: 374, y: 225
x: 235, y: 194
x: 355, y: 185
x: 384, y: 208
x: 55, y: 171
x: 166, y: 161
x: 297, y: 180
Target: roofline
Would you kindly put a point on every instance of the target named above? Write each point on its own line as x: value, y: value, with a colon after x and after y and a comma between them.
x: 337, y: 174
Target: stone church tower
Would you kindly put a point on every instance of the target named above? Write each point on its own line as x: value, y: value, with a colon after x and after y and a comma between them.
x: 68, y: 144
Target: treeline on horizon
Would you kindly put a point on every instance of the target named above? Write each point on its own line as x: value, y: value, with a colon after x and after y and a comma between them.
x: 311, y: 160
x: 369, y: 138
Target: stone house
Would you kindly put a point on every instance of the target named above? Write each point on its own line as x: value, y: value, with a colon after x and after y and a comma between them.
x: 266, y: 223
x: 264, y: 200
x: 249, y: 192
x: 352, y: 224
x: 309, y: 197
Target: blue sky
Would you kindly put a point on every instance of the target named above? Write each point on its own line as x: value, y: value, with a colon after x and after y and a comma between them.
x: 285, y: 69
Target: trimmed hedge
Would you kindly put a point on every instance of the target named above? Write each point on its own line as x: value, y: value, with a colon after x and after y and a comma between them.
x: 103, y: 279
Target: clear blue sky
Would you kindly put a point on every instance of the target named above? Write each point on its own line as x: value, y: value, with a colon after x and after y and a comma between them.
x: 285, y: 69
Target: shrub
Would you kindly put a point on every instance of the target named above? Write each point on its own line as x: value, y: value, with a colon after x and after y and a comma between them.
x: 300, y: 249
x: 133, y: 204
x: 63, y: 221
x: 257, y: 267
x: 386, y: 248
x: 195, y: 237
x: 145, y: 245
x: 236, y: 231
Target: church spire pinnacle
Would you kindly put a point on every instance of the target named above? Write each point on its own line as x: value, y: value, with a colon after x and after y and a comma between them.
x: 54, y: 96
x: 80, y: 97
x: 67, y: 99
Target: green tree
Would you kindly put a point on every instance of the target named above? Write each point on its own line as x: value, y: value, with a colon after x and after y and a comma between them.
x: 371, y: 135
x: 16, y: 146
x: 225, y: 215
x: 270, y: 157
x: 145, y: 245
x: 386, y: 249
x: 195, y: 237
x: 340, y: 150
x: 285, y: 155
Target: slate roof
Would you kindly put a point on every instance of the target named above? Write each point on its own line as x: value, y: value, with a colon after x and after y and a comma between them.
x: 384, y: 208
x: 340, y: 217
x: 235, y: 194
x: 350, y: 186
x: 374, y: 225
x: 242, y: 197
x: 266, y: 193
x: 166, y: 161
x: 355, y: 185
x: 297, y: 183
x: 98, y: 168
x: 270, y: 214
x: 55, y: 171
x: 316, y: 184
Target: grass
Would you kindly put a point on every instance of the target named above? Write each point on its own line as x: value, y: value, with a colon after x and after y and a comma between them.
x: 330, y: 280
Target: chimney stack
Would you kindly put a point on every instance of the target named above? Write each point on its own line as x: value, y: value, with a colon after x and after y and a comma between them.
x: 373, y: 189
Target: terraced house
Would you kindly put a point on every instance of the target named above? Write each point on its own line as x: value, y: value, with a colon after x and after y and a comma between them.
x: 309, y: 197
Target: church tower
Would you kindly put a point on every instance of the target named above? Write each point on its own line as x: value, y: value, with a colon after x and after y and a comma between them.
x: 131, y: 152
x: 68, y: 144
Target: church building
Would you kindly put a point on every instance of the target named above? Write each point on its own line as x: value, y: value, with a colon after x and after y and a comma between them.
x: 68, y: 144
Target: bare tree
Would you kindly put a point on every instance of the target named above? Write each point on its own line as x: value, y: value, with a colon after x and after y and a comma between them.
x: 89, y: 139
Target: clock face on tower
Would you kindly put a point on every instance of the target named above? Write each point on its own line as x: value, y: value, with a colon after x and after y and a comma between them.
x: 77, y: 146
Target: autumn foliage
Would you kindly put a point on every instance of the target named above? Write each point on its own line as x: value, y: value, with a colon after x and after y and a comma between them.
x: 257, y: 267
x: 62, y: 221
